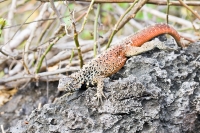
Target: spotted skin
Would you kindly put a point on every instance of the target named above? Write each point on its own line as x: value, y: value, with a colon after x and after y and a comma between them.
x: 112, y: 60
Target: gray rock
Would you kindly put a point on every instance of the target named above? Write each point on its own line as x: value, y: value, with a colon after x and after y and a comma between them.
x: 157, y: 91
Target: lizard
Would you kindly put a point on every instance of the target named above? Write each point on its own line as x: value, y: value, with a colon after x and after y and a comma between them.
x: 113, y: 59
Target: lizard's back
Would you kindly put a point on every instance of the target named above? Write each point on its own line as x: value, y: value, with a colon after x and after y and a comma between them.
x: 104, y: 65
x: 113, y: 59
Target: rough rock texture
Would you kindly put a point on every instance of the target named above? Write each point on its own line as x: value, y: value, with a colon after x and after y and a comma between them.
x: 24, y: 102
x: 157, y: 91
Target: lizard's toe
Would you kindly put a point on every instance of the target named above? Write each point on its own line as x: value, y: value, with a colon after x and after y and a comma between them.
x: 99, y: 97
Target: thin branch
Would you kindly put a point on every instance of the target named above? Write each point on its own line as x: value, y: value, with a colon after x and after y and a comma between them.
x: 77, y: 45
x: 13, y: 26
x: 7, y: 49
x: 53, y: 18
x: 24, y: 84
x: 186, y: 6
x: 167, y: 14
x: 38, y: 75
x: 47, y: 26
x: 95, y: 29
x: 175, y: 19
x: 54, y: 40
x: 26, y: 67
x: 67, y: 55
x: 47, y: 82
x: 1, y: 49
x: 134, y: 23
x: 9, y: 21
x: 137, y: 7
x: 51, y: 38
x: 157, y: 2
x: 118, y: 22
x: 57, y: 13
x: 72, y: 55
x: 86, y: 16
x: 61, y: 34
x: 28, y: 43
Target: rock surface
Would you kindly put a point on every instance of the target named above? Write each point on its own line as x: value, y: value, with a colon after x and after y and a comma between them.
x: 158, y: 91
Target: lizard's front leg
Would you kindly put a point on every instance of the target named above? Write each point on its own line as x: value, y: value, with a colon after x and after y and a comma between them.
x: 100, y: 84
x: 131, y: 50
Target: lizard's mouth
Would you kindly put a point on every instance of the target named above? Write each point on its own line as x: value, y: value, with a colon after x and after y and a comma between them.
x: 61, y: 88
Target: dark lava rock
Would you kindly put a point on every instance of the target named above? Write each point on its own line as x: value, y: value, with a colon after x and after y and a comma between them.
x: 157, y: 91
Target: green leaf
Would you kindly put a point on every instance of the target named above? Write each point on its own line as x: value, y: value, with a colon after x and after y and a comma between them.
x: 2, y: 25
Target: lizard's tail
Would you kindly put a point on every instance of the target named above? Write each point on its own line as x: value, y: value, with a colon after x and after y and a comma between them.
x: 150, y: 32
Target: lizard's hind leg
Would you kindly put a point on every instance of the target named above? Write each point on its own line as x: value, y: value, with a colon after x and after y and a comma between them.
x: 131, y: 51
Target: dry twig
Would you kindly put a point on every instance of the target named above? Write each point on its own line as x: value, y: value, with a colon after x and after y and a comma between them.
x: 95, y: 29
x: 57, y: 13
x: 77, y: 44
x: 28, y: 43
x: 186, y: 6
x: 86, y: 16
x: 59, y: 35
x: 118, y: 22
x: 173, y: 19
x: 157, y: 2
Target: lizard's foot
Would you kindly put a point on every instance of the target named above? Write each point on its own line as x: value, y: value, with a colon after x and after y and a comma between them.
x: 100, y: 83
x: 99, y: 96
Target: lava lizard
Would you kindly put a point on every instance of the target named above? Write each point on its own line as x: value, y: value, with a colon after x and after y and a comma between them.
x: 113, y: 59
